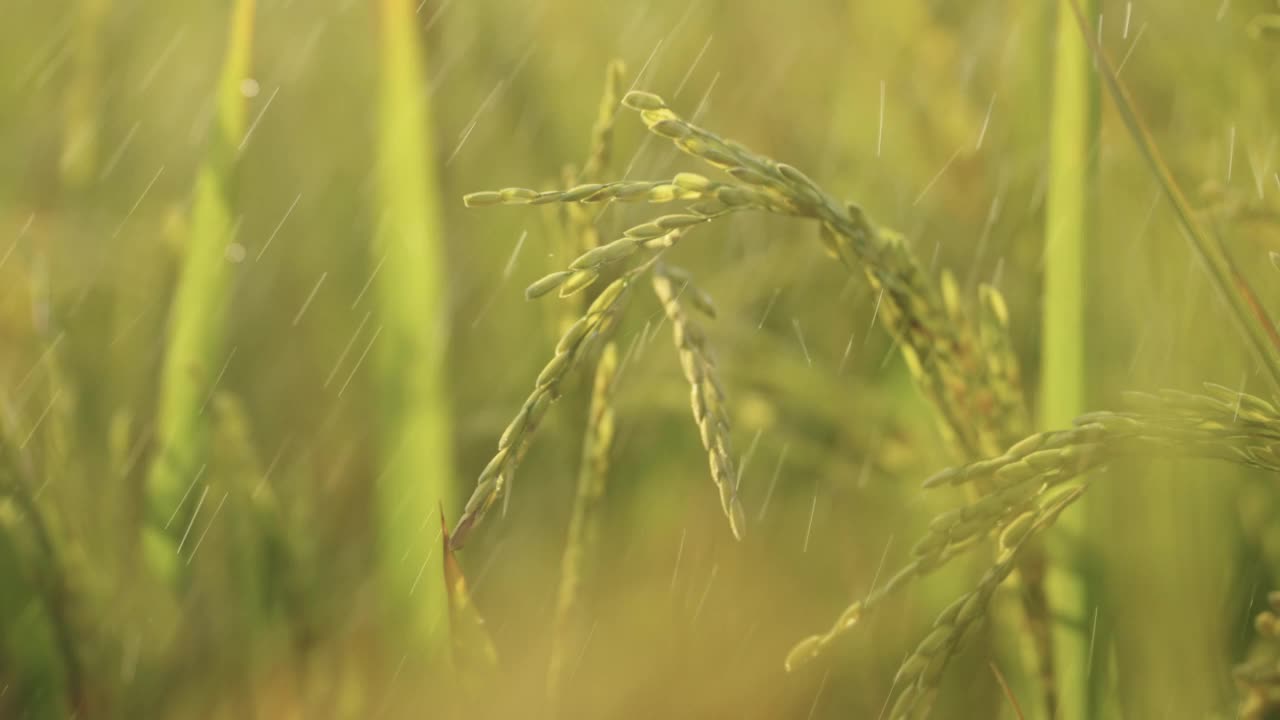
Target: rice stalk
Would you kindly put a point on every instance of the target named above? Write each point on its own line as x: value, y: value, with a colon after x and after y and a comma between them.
x: 236, y: 543
x: 1250, y: 316
x: 410, y: 379
x: 600, y: 152
x: 81, y: 121
x: 1069, y: 221
x: 197, y: 339
x: 593, y: 466
x: 261, y: 556
x: 584, y: 519
x: 581, y: 231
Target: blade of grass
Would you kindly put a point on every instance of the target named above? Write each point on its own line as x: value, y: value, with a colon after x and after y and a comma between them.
x: 28, y: 637
x: 413, y: 414
x: 1069, y: 223
x: 197, y: 340
x: 1246, y: 309
x: 39, y: 539
x: 35, y: 618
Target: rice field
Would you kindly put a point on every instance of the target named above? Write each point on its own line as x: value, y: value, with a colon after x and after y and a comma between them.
x: 573, y: 360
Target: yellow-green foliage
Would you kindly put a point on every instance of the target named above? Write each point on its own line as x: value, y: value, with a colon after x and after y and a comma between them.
x: 374, y: 349
x: 80, y: 141
x: 196, y: 348
x: 407, y: 254
x: 40, y: 682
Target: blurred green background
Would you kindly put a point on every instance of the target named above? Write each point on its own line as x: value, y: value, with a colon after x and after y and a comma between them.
x: 338, y: 233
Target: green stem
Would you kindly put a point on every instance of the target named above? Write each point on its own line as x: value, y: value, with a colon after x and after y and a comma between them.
x: 81, y: 120
x: 1247, y: 310
x: 416, y: 470
x: 1069, y: 222
x: 584, y: 522
x: 197, y: 343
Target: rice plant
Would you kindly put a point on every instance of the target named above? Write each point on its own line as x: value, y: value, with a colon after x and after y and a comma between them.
x: 1016, y: 493
x: 281, y: 436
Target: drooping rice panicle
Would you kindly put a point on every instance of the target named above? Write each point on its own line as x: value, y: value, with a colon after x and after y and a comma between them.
x: 597, y: 323
x: 684, y: 186
x: 940, y: 347
x: 919, y: 675
x: 706, y: 396
x: 950, y: 627
x: 978, y: 413
x: 1010, y: 419
x: 940, y: 356
x: 949, y: 534
x: 1222, y: 424
x: 1003, y: 372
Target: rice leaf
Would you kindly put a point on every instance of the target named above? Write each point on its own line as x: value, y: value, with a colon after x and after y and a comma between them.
x: 197, y: 342
x: 409, y: 375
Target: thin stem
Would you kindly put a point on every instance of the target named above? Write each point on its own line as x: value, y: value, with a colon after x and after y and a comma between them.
x: 1246, y: 309
x: 1069, y: 223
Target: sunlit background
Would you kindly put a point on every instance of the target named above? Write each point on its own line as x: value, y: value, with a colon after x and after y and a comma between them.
x: 362, y: 340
